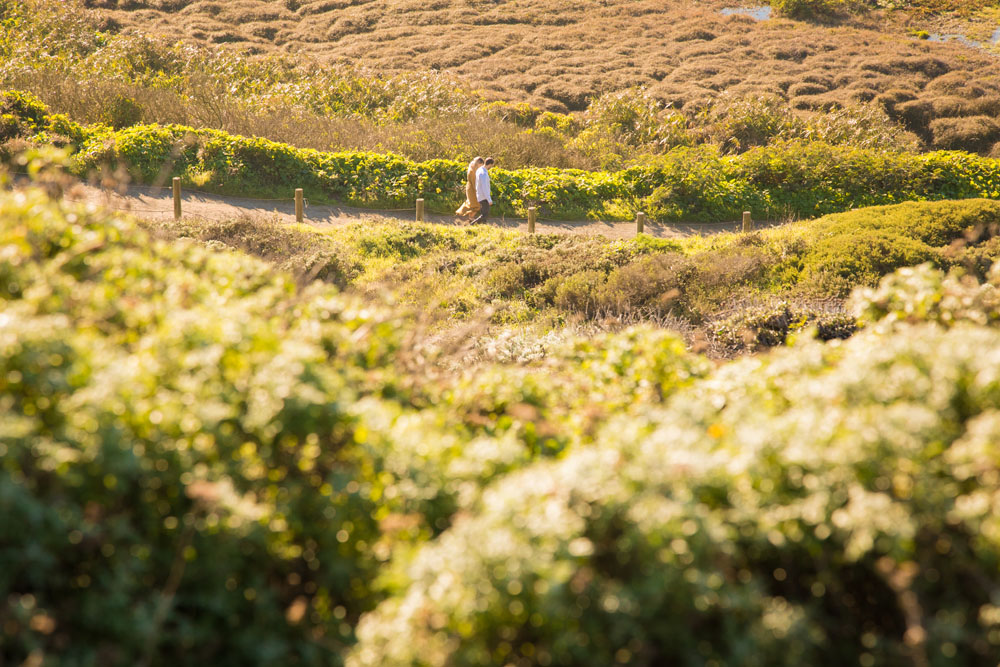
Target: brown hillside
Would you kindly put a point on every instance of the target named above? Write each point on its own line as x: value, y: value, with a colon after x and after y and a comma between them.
x: 558, y: 54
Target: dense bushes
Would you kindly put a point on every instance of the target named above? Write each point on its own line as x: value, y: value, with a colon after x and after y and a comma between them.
x: 171, y: 484
x: 693, y: 184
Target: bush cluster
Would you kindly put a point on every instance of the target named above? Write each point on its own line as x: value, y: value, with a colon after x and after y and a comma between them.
x: 712, y: 285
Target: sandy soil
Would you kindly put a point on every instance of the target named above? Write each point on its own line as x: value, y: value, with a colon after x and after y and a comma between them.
x: 157, y: 203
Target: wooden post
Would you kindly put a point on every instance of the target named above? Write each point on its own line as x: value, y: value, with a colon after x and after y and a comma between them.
x: 747, y: 222
x: 299, y: 212
x: 177, y: 198
x: 420, y: 210
x: 640, y: 222
x: 531, y: 219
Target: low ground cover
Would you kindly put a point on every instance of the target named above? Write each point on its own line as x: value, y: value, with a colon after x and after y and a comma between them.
x: 734, y: 291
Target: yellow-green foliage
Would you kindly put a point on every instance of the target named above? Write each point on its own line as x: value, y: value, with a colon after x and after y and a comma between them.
x: 687, y: 183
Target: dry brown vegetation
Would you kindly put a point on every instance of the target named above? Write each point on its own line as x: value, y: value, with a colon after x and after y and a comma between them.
x: 560, y: 55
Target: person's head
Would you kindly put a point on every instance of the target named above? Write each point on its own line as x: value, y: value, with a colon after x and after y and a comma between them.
x: 478, y: 160
x: 488, y: 162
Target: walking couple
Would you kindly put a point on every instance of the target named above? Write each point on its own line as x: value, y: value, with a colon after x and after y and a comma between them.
x: 477, y: 191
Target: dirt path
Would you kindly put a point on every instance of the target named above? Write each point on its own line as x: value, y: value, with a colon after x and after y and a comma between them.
x: 154, y: 203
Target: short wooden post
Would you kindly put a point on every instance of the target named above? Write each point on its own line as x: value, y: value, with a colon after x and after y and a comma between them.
x: 299, y: 208
x: 531, y: 219
x: 177, y: 198
x: 420, y: 210
x: 640, y: 222
x: 747, y: 222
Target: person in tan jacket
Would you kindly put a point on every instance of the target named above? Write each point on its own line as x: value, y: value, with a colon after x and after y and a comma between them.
x: 471, y: 206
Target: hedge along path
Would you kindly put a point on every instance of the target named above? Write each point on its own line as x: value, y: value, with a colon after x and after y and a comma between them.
x: 795, y: 179
x: 158, y: 203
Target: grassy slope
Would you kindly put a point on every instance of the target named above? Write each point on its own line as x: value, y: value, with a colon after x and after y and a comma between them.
x: 558, y: 55
x: 720, y: 290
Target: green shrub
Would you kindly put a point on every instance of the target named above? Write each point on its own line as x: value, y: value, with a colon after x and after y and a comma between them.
x: 840, y: 263
x: 578, y: 292
x: 739, y: 124
x: 634, y: 117
x: 21, y: 115
x: 405, y: 241
x: 303, y: 255
x: 857, y: 248
x: 172, y: 482
x: 65, y: 129
x: 978, y: 259
x: 865, y: 126
x: 693, y: 184
x: 514, y: 279
x: 560, y: 122
x: 25, y: 107
x: 793, y: 178
x: 649, y: 287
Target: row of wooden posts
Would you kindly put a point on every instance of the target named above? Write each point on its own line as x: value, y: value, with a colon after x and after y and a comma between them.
x: 640, y: 218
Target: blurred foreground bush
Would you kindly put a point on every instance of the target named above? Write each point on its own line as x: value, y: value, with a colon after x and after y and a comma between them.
x: 829, y: 504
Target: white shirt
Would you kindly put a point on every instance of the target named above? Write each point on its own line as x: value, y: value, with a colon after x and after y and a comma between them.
x: 483, y: 185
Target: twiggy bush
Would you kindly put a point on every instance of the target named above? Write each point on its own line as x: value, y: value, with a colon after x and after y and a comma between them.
x: 761, y: 327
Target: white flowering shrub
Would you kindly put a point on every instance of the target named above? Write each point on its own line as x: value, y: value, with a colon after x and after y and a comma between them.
x: 925, y: 294
x: 831, y: 504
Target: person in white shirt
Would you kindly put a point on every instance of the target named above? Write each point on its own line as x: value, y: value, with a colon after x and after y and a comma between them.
x: 483, y: 191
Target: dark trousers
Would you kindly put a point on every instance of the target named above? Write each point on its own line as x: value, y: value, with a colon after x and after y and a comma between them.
x: 484, y: 212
